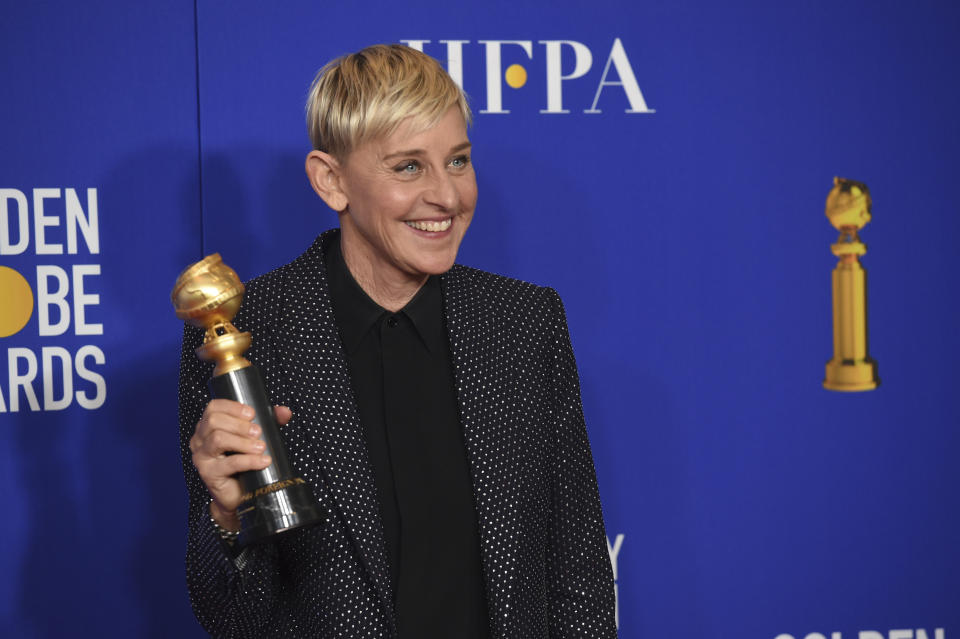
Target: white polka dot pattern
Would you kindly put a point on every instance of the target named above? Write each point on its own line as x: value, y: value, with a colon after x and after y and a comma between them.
x: 545, y: 563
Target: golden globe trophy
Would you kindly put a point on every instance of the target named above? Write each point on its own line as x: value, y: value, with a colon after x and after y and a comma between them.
x: 851, y: 369
x: 208, y: 295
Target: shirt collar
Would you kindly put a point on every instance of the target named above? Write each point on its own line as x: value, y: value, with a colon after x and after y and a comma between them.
x: 425, y: 311
x: 357, y: 314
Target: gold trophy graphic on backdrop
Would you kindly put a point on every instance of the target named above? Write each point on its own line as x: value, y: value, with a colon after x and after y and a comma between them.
x: 208, y: 295
x: 851, y: 369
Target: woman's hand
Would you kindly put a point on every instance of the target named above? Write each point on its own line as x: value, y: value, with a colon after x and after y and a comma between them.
x: 226, y: 427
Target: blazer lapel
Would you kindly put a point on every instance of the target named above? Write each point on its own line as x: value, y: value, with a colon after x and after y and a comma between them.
x: 493, y: 440
x: 324, y: 406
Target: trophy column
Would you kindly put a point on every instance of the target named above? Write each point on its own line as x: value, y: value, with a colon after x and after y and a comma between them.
x: 851, y: 369
x: 275, y: 500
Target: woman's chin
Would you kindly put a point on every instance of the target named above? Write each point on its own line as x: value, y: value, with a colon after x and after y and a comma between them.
x: 436, y: 264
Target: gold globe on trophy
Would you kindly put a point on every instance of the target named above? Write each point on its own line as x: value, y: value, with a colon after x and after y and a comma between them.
x: 851, y: 369
x: 208, y: 295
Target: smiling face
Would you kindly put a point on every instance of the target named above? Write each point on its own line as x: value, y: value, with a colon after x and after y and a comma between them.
x: 407, y: 200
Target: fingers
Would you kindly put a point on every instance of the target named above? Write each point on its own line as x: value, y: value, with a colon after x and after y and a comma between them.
x: 226, y: 415
x: 227, y: 427
x: 229, y: 407
x: 219, y: 433
x: 221, y: 440
x: 218, y: 472
x: 227, y: 442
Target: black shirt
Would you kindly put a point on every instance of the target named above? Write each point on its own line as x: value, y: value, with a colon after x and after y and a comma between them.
x: 403, y: 380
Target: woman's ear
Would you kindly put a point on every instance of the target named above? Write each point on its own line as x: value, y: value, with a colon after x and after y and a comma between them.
x: 323, y: 171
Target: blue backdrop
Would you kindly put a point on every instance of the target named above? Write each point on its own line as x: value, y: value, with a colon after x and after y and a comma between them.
x: 664, y: 165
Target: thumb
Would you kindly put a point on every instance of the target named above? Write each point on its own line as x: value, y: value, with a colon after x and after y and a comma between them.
x: 283, y: 414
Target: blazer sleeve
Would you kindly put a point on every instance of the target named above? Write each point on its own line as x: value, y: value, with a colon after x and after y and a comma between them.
x: 232, y: 596
x: 580, y: 578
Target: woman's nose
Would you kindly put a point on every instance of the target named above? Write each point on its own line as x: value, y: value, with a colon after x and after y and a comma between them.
x: 442, y: 191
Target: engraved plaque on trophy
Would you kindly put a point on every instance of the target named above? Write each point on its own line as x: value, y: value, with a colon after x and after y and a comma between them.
x: 851, y: 369
x: 208, y: 295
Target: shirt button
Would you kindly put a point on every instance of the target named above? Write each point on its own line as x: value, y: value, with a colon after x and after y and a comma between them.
x: 392, y: 321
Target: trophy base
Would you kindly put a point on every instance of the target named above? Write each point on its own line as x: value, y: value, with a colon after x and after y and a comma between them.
x: 847, y: 375
x: 278, y: 508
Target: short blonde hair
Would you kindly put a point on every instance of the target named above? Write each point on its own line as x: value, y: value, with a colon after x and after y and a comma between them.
x: 367, y: 94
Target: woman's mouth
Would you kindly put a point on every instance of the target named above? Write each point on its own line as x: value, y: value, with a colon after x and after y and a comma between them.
x: 432, y: 227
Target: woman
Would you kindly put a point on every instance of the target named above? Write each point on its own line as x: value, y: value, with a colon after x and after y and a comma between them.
x: 433, y: 408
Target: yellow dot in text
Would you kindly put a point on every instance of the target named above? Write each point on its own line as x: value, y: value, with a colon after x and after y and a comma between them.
x: 16, y: 301
x: 516, y: 76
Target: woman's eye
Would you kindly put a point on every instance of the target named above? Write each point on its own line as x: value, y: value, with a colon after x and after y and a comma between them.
x: 411, y: 166
x: 460, y: 161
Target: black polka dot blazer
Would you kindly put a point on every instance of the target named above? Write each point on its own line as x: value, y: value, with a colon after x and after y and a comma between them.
x: 545, y: 563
